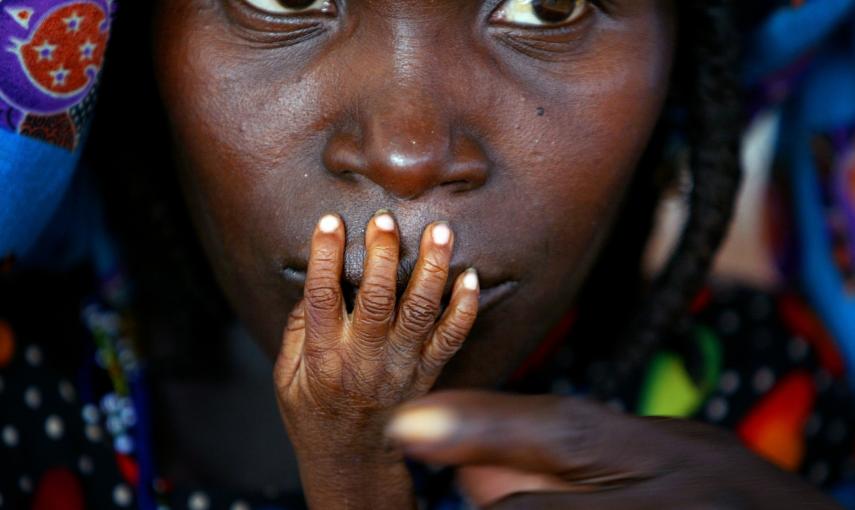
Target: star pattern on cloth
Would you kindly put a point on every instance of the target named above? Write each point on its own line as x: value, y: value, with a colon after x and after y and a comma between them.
x: 66, y: 49
x: 59, y: 75
x: 73, y: 22
x: 45, y: 50
x: 87, y: 50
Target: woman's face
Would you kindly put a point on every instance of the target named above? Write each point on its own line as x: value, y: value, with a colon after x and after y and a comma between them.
x: 519, y: 121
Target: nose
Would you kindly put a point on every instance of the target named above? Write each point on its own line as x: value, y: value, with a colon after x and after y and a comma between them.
x: 408, y: 146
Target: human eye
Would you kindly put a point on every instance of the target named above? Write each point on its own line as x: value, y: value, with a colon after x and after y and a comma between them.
x: 541, y: 13
x: 280, y: 7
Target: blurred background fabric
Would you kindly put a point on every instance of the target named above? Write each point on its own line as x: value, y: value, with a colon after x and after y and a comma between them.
x: 795, y: 223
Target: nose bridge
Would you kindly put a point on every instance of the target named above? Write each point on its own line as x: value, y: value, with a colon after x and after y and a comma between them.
x: 407, y: 141
x: 406, y: 128
x: 405, y: 131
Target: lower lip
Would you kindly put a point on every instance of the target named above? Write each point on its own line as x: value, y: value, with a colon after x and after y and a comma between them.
x: 488, y: 299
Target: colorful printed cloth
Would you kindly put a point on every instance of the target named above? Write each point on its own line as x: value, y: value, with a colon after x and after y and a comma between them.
x: 75, y: 425
x: 51, y: 54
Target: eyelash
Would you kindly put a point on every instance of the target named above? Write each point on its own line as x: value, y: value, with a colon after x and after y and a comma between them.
x: 285, y: 29
x: 331, y: 8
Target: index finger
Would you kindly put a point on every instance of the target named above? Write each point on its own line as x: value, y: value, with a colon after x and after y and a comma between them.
x: 324, y: 304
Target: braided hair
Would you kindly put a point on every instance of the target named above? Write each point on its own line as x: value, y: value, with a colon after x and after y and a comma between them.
x: 707, y: 87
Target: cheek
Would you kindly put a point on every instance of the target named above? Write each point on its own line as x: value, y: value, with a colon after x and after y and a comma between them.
x: 577, y: 138
x: 242, y: 134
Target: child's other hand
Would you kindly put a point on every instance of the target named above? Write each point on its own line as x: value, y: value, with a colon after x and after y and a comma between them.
x: 339, y: 376
x: 562, y: 452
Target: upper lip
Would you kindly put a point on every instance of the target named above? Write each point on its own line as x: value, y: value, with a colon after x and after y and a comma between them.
x: 352, y: 275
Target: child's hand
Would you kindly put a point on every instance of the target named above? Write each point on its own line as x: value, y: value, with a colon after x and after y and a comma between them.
x: 563, y: 452
x: 338, y: 376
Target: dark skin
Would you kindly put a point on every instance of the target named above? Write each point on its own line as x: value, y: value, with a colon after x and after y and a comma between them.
x: 521, y: 132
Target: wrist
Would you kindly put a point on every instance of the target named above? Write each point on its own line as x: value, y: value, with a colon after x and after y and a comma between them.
x: 356, y: 479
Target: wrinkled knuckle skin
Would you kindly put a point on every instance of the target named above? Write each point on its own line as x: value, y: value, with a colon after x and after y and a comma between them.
x: 325, y: 258
x: 376, y: 301
x: 323, y: 294
x: 385, y: 257
x: 454, y: 333
x: 418, y: 313
x: 435, y: 271
x: 295, y: 324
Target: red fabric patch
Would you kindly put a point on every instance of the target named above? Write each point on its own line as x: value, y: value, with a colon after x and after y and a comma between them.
x: 58, y: 489
x: 775, y: 427
x: 67, y: 45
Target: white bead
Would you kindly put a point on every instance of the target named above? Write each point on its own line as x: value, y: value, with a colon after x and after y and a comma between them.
x: 239, y: 505
x: 66, y: 391
x: 33, y: 397
x: 729, y: 322
x: 818, y: 473
x: 121, y: 495
x: 729, y: 382
x: 93, y: 433
x: 10, y: 436
x: 25, y: 484
x: 90, y: 414
x: 54, y: 427
x: 33, y: 356
x: 763, y: 380
x: 198, y: 501
x: 717, y: 409
x: 85, y: 464
x: 797, y: 349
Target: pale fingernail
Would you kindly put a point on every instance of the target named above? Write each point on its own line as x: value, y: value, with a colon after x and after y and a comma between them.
x: 329, y: 224
x: 385, y: 222
x: 441, y: 234
x: 428, y: 424
x: 470, y: 280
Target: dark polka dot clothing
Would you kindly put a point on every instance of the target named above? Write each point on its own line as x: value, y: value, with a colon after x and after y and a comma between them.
x: 73, y: 432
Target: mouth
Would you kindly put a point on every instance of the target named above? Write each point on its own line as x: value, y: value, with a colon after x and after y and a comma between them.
x: 493, y: 290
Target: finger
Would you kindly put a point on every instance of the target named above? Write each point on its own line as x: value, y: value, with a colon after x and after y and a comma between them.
x: 639, y: 497
x: 454, y: 326
x: 324, y: 305
x: 375, y: 301
x: 486, y: 485
x: 290, y: 352
x: 422, y: 300
x: 582, y: 441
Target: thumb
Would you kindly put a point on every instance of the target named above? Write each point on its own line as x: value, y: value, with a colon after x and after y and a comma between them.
x: 571, y: 438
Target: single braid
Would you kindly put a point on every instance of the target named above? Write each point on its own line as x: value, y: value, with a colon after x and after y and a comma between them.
x: 712, y: 97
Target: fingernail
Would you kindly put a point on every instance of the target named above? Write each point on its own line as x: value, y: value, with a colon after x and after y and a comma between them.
x: 440, y: 234
x: 470, y: 279
x: 425, y: 425
x: 329, y: 224
x: 385, y: 222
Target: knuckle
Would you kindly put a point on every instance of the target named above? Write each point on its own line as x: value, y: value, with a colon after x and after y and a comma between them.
x: 325, y: 257
x: 323, y: 294
x: 579, y: 438
x: 434, y: 269
x: 418, y: 313
x: 376, y: 301
x: 384, y: 255
x: 456, y: 329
